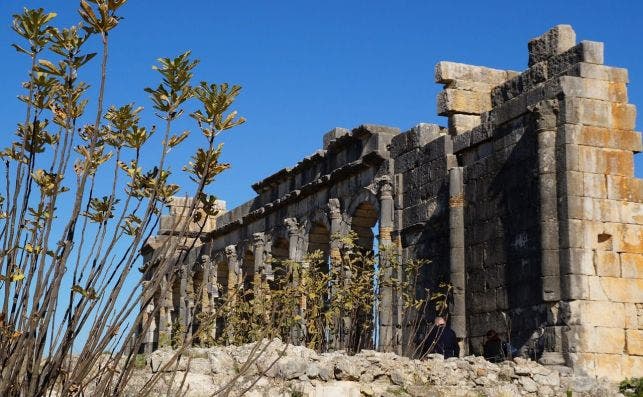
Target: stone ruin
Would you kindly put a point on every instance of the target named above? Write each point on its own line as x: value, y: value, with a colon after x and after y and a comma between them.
x: 526, y: 203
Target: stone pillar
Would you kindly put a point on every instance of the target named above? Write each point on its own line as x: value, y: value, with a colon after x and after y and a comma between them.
x: 335, y: 228
x: 458, y: 312
x: 342, y: 323
x: 182, y: 321
x: 258, y: 245
x: 387, y: 324
x: 546, y: 120
x: 165, y: 313
x: 234, y: 271
x: 294, y: 254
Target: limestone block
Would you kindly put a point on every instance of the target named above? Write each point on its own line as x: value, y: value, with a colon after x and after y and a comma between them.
x: 459, y: 123
x: 602, y: 137
x: 458, y: 101
x: 631, y: 265
x: 575, y: 286
x: 600, y: 72
x: 631, y: 366
x: 571, y: 234
x: 622, y: 289
x: 623, y: 188
x: 631, y: 238
x: 596, y: 313
x: 606, y: 161
x: 334, y: 134
x: 583, y: 363
x: 623, y: 116
x: 634, y: 340
x: 596, y: 291
x: 593, y: 89
x: 555, y: 41
x: 592, y: 339
x: 609, y: 366
x: 631, y: 316
x: 594, y: 185
x: 607, y: 264
x: 592, y: 52
x: 447, y: 72
x: 577, y: 261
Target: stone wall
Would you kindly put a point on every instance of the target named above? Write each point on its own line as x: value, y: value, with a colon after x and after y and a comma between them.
x: 526, y: 203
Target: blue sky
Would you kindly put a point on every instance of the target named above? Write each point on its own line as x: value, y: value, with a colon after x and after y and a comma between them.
x: 307, y: 67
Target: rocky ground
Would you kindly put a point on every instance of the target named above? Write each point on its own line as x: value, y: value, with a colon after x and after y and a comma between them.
x: 282, y: 370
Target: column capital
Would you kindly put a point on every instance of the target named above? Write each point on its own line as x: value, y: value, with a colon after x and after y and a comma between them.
x: 334, y: 208
x: 292, y: 225
x: 384, y: 187
x: 259, y: 239
x: 231, y: 252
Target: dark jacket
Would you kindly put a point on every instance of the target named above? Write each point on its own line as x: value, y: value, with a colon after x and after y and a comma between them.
x: 442, y: 340
x: 494, y: 350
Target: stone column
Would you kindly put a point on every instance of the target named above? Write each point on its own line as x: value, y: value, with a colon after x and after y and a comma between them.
x: 546, y: 120
x: 234, y: 271
x: 387, y: 324
x: 165, y: 313
x: 185, y: 300
x: 258, y: 245
x: 342, y: 323
x: 294, y: 254
x: 335, y: 228
x: 458, y: 312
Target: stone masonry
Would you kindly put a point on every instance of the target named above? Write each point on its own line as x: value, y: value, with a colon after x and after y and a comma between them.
x: 526, y: 203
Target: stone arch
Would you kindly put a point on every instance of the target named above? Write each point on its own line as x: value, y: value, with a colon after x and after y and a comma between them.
x: 364, y: 211
x: 247, y: 266
x: 317, y: 232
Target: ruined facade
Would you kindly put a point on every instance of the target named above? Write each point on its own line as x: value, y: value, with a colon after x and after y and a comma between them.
x: 526, y: 203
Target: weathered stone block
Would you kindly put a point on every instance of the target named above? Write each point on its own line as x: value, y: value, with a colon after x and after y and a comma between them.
x: 607, y: 264
x: 459, y: 123
x: 593, y: 89
x: 593, y: 339
x: 608, y: 366
x: 622, y: 188
x: 600, y: 72
x: 634, y: 340
x: 631, y: 265
x: 555, y: 41
x: 631, y: 238
x: 592, y: 52
x: 596, y: 291
x: 596, y: 313
x: 631, y: 366
x: 575, y: 286
x: 594, y: 185
x: 606, y: 161
x: 447, y: 72
x: 458, y: 101
x: 622, y: 290
x: 623, y: 116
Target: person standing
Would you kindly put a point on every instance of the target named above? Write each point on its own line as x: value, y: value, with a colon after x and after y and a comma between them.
x: 442, y: 339
x: 494, y: 350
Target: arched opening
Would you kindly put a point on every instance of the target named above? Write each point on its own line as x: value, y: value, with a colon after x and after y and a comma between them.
x: 223, y: 285
x: 363, y: 221
x: 176, y: 306
x: 319, y: 240
x: 279, y: 253
x: 200, y: 300
x: 248, y: 269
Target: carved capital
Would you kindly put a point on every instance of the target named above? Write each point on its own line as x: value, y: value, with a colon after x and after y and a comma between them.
x: 231, y: 252
x: 545, y: 114
x: 259, y: 239
x: 334, y: 208
x: 291, y: 225
x: 384, y: 187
